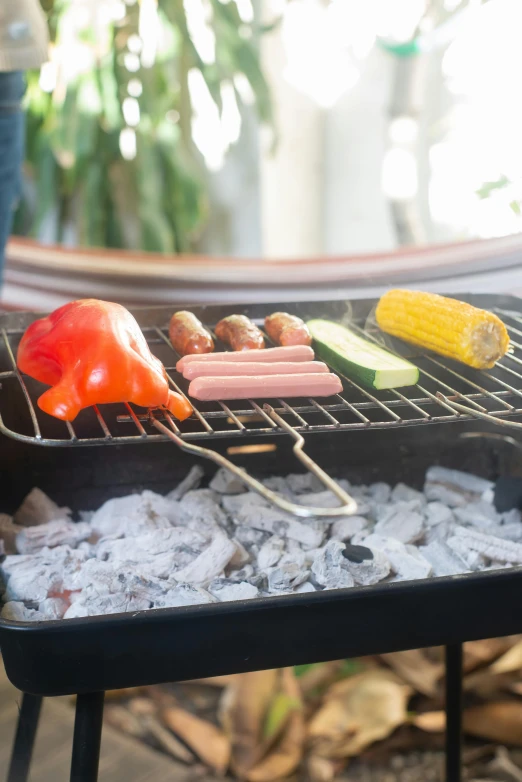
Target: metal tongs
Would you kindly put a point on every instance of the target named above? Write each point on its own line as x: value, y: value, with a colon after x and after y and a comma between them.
x: 348, y: 507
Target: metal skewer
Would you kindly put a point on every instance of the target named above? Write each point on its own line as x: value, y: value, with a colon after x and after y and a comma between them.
x: 348, y: 507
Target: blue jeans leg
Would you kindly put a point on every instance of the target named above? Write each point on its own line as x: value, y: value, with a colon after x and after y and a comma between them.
x: 12, y: 132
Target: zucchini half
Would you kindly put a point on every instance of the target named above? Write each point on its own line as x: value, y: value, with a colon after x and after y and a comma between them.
x: 359, y: 359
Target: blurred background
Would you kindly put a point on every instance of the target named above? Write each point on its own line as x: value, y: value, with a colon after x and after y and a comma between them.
x: 274, y: 129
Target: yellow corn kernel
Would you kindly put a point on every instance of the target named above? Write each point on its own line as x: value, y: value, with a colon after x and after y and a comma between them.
x: 447, y: 326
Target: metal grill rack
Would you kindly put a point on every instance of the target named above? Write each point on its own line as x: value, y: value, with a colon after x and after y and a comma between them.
x: 445, y: 393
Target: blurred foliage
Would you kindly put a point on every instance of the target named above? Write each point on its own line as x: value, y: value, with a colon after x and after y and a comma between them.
x: 84, y: 187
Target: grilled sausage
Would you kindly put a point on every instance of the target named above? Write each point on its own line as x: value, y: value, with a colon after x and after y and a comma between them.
x: 188, y: 335
x: 240, y: 333
x: 215, y: 389
x: 251, y: 368
x: 296, y: 353
x: 285, y: 329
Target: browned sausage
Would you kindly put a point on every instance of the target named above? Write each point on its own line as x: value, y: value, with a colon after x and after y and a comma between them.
x: 285, y: 329
x: 240, y: 333
x: 188, y: 335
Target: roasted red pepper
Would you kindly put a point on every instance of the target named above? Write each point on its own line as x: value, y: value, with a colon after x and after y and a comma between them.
x: 93, y: 352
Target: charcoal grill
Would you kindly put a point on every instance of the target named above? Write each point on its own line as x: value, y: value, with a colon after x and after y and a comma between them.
x: 384, y: 438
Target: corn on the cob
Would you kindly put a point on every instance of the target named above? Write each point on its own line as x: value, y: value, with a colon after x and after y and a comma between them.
x: 448, y: 327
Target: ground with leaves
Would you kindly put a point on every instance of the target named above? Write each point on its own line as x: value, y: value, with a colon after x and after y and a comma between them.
x: 378, y: 719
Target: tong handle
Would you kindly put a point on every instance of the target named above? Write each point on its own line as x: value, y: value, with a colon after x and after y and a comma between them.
x: 478, y: 413
x: 348, y: 507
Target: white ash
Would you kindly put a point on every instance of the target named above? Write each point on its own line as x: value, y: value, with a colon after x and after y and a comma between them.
x: 54, y: 533
x: 225, y: 482
x: 222, y: 543
x: 225, y: 590
x: 191, y: 481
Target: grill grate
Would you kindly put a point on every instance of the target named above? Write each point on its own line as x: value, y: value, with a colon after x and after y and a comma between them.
x: 496, y: 392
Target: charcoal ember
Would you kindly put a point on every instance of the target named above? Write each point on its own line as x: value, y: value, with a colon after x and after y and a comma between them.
x: 444, y: 561
x: 404, y: 525
x: 477, y: 514
x: 134, y: 514
x: 385, y: 512
x: 191, y: 481
x: 2, y: 550
x: 235, y: 504
x: 184, y: 595
x: 403, y: 493
x: 346, y: 527
x: 54, y: 533
x: 277, y: 522
x: 241, y: 556
x: 86, y: 515
x: 270, y: 552
x: 437, y: 513
x: 38, y: 508
x: 512, y: 516
x: 453, y: 487
x: 225, y: 590
x: 142, y: 547
x: 294, y: 557
x: 511, y: 531
x: 33, y: 577
x: 210, y: 563
x: 369, y: 571
x: 473, y: 559
x: 307, y: 586
x: 380, y: 492
x: 250, y: 537
x: 489, y: 546
x: 14, y: 611
x: 302, y: 483
x: 244, y: 574
x: 201, y: 509
x: 53, y: 607
x: 8, y: 532
x: 404, y: 563
x: 286, y: 577
x: 225, y: 482
x: 319, y: 499
x: 440, y: 532
x: 92, y: 603
x: 329, y: 567
x: 279, y: 485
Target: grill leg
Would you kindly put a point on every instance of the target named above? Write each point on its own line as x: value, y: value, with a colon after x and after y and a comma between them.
x: 453, y: 713
x: 87, y: 737
x: 24, y: 738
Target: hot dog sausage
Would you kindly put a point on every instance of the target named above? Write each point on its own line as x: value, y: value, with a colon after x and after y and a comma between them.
x: 188, y: 335
x: 295, y: 353
x: 215, y: 389
x: 285, y: 329
x: 196, y: 369
x: 240, y: 333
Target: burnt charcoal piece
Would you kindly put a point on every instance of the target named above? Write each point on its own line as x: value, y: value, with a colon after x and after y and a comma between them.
x: 508, y: 493
x: 357, y: 554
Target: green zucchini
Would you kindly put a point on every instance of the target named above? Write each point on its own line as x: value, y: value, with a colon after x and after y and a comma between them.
x: 359, y: 359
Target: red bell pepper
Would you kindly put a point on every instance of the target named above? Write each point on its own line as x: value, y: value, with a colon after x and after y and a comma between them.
x: 93, y: 352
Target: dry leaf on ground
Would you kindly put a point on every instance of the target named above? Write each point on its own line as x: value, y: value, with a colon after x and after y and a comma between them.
x: 500, y: 721
x: 319, y: 676
x: 479, y: 653
x: 287, y: 752
x: 320, y: 769
x: 510, y: 661
x: 206, y: 740
x: 243, y: 713
x: 216, y: 681
x: 414, y: 668
x: 358, y: 711
x: 167, y: 741
x: 430, y: 721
